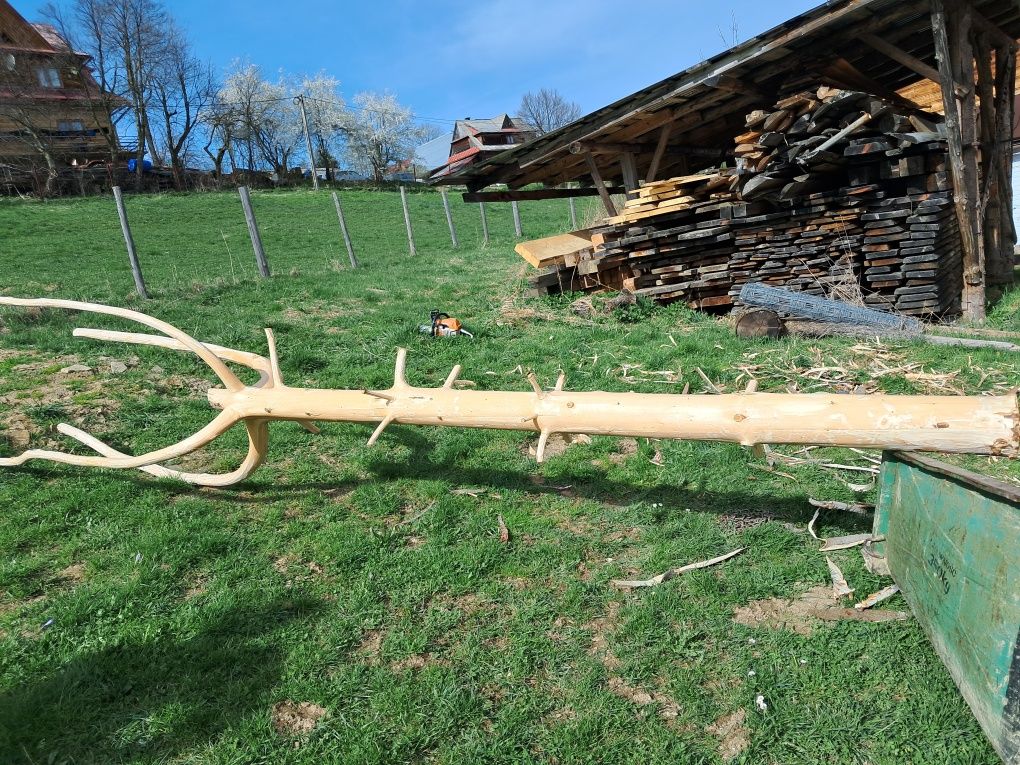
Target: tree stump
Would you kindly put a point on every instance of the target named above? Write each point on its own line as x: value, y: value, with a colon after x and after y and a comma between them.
x: 759, y: 322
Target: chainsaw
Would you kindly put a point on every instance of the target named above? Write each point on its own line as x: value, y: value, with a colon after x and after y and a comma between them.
x: 443, y: 325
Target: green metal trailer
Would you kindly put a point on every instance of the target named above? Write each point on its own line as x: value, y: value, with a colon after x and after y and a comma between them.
x: 950, y: 538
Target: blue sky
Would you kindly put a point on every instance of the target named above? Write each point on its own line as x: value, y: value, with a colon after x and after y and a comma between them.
x: 451, y: 59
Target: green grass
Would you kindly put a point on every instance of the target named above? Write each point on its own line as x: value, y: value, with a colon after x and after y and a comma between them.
x: 353, y: 579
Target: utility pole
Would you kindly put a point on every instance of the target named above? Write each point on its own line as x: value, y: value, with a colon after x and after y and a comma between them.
x: 300, y: 101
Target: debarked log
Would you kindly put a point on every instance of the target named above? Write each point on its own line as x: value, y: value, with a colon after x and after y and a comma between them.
x: 965, y: 424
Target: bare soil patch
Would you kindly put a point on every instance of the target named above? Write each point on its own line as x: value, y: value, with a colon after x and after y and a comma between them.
x: 802, y: 614
x: 73, y: 574
x: 733, y: 735
x: 293, y: 718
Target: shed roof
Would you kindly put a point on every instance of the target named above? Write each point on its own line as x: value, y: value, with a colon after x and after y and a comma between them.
x: 706, y: 103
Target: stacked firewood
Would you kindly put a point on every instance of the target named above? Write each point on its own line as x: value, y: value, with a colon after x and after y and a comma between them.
x: 832, y: 186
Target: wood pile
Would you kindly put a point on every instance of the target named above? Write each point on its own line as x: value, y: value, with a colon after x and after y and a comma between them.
x: 832, y: 188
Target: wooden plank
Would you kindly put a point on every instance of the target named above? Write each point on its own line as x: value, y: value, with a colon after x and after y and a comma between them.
x: 553, y: 250
x: 948, y: 539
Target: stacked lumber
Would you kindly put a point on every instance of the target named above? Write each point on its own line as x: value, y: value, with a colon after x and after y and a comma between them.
x: 831, y: 187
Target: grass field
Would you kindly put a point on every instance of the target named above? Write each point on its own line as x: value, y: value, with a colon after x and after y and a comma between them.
x: 350, y: 605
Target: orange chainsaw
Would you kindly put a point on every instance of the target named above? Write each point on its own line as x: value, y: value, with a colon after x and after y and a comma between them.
x: 443, y: 325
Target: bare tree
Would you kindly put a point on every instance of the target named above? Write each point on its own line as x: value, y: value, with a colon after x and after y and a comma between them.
x: 219, y: 121
x: 382, y: 132
x: 547, y: 110
x: 183, y: 88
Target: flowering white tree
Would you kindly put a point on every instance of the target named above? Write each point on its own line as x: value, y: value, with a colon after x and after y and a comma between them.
x: 328, y: 118
x: 381, y: 132
x: 265, y: 124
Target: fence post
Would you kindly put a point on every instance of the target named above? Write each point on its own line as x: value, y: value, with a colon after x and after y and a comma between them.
x: 136, y: 268
x: 485, y: 224
x: 407, y: 221
x: 573, y: 214
x: 517, y: 219
x: 253, y: 232
x: 449, y: 217
x: 343, y: 231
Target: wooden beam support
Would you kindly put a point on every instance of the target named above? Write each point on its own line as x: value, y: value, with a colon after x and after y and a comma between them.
x: 596, y: 176
x: 660, y: 149
x: 951, y: 29
x: 532, y: 194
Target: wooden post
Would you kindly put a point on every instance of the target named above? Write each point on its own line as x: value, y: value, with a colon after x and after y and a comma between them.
x: 573, y: 214
x: 300, y: 101
x: 517, y: 219
x: 343, y: 231
x: 485, y: 224
x: 596, y: 176
x: 253, y: 232
x: 956, y: 69
x: 136, y: 268
x: 449, y: 218
x: 1005, y: 74
x: 628, y: 169
x: 407, y: 221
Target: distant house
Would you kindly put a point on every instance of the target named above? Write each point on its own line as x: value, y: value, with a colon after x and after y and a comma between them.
x: 51, y: 107
x: 473, y: 140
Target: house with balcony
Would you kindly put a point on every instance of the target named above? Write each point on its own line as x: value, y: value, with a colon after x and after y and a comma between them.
x: 53, y: 113
x: 473, y: 140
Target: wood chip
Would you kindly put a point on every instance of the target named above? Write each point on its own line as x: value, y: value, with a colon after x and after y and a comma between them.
x: 504, y: 532
x: 469, y: 491
x: 811, y: 524
x: 708, y: 382
x: 874, y: 599
x: 673, y: 572
x: 840, y: 587
x: 849, y: 507
x: 843, y: 543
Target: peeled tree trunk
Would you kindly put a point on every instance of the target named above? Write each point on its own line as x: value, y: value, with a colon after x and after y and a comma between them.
x: 966, y: 424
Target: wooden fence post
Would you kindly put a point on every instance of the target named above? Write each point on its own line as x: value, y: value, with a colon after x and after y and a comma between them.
x: 485, y: 224
x: 343, y: 231
x: 253, y: 232
x: 517, y: 219
x: 573, y: 214
x: 449, y: 218
x: 407, y: 221
x: 136, y: 268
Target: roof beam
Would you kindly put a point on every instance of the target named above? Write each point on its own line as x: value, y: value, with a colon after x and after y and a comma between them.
x: 902, y: 57
x: 531, y: 194
x: 733, y: 85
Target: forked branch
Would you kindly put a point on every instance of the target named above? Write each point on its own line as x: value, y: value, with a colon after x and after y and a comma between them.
x: 973, y: 424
